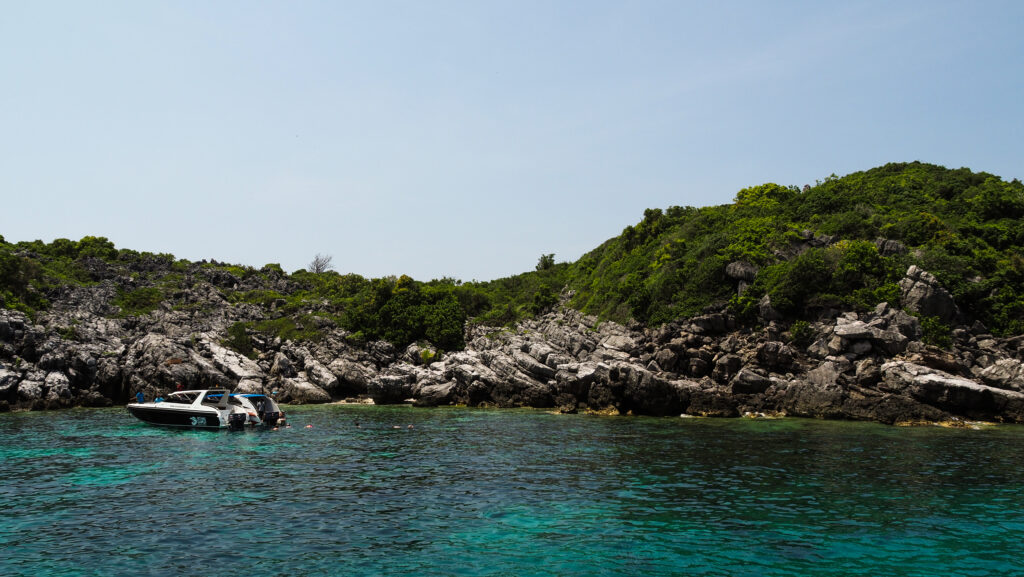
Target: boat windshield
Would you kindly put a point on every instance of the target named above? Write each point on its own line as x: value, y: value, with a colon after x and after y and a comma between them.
x: 186, y: 397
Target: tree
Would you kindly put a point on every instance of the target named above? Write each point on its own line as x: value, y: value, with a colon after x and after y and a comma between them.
x: 546, y: 261
x: 321, y: 263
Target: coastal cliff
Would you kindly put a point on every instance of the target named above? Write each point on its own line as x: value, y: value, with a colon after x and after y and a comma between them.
x: 894, y: 295
x: 867, y: 366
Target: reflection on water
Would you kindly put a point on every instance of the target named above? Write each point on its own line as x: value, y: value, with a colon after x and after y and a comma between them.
x: 478, y: 492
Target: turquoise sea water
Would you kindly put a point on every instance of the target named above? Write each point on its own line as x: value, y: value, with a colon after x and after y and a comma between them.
x: 484, y: 492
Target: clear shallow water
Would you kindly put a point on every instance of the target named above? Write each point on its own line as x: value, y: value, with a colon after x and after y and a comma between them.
x: 479, y: 492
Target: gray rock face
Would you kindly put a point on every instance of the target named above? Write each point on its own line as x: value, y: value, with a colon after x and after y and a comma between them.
x: 859, y: 365
x: 775, y: 355
x: 30, y: 391
x: 321, y: 376
x: 766, y: 311
x: 282, y: 366
x: 741, y: 270
x: 8, y: 382
x: 890, y: 247
x: 1005, y: 374
x: 437, y: 394
x: 953, y: 393
x: 301, y: 391
x: 58, y: 387
x: 921, y: 292
x: 390, y: 389
x: 748, y: 382
x: 233, y: 364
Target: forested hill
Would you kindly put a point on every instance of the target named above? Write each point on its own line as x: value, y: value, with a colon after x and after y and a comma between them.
x: 842, y: 244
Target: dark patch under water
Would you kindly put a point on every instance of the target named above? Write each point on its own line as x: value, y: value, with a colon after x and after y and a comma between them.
x: 482, y: 492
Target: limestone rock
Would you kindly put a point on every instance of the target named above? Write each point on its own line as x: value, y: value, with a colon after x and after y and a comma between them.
x: 887, y: 247
x: 233, y: 364
x: 30, y: 391
x: 775, y: 355
x: 437, y: 394
x: 619, y: 343
x: 282, y: 366
x: 747, y: 382
x: 321, y: 376
x: 390, y: 389
x: 952, y: 393
x: 921, y: 292
x: 353, y: 377
x: 301, y: 391
x: 58, y: 387
x: 726, y: 368
x: 532, y: 366
x: 741, y: 270
x: 766, y: 311
x: 1005, y: 374
x: 8, y: 382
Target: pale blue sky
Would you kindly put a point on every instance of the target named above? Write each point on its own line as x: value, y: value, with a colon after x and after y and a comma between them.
x: 465, y: 139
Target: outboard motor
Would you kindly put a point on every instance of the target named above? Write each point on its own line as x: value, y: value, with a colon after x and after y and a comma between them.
x: 270, y: 413
x: 236, y: 421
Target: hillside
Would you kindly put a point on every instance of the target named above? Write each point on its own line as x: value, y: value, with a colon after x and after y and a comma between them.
x: 686, y: 301
x: 841, y: 244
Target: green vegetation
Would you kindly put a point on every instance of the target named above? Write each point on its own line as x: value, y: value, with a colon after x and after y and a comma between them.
x: 801, y: 334
x: 139, y: 301
x: 815, y: 250
x: 935, y: 332
x: 964, y: 227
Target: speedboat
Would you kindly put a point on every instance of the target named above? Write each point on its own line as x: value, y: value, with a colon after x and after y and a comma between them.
x: 208, y: 409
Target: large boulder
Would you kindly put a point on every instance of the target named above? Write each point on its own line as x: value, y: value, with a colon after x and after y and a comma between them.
x: 437, y: 394
x: 300, y: 391
x: 804, y: 398
x: 775, y: 355
x: 1005, y: 374
x: 646, y: 393
x: 282, y: 366
x: 619, y: 342
x: 388, y: 389
x: 30, y: 391
x: 951, y: 393
x: 233, y: 364
x: 532, y: 366
x: 8, y: 382
x: 748, y: 382
x: 922, y: 293
x: 353, y: 377
x: 741, y: 270
x: 58, y: 387
x: 321, y: 376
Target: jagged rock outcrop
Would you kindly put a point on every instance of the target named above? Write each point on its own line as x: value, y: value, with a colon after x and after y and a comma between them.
x: 953, y: 393
x: 922, y: 293
x: 869, y: 365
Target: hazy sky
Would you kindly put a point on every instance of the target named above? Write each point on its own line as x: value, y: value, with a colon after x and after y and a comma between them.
x: 465, y: 139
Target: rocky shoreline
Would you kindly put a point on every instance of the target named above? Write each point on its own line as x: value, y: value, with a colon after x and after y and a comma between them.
x: 867, y: 366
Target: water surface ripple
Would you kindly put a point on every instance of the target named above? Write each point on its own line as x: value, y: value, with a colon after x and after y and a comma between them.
x: 481, y: 492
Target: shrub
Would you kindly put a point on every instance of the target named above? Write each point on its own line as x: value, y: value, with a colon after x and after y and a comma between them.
x: 139, y: 301
x: 935, y: 332
x: 801, y: 334
x: 238, y: 339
